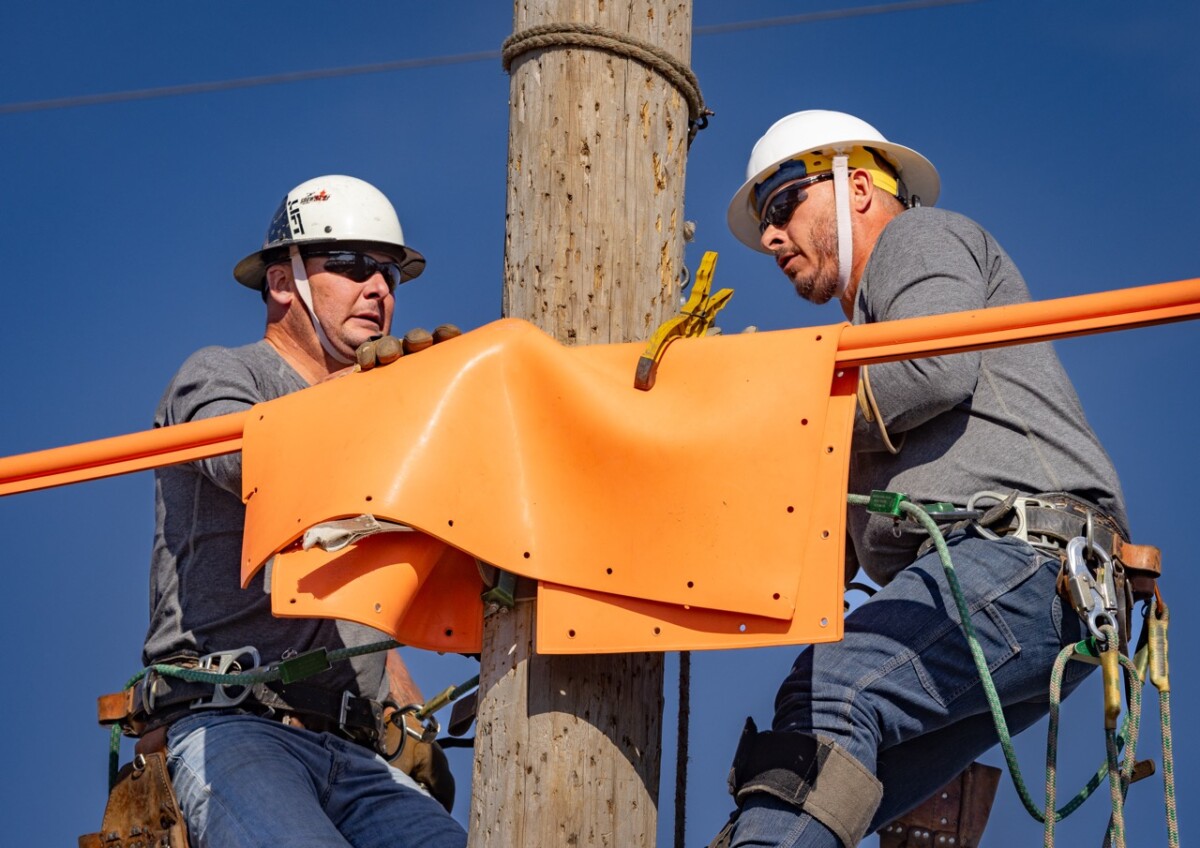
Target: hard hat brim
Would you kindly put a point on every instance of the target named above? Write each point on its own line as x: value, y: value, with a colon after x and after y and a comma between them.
x: 918, y: 174
x: 251, y: 272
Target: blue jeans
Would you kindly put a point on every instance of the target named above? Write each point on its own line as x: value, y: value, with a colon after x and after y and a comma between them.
x: 901, y: 693
x: 248, y: 781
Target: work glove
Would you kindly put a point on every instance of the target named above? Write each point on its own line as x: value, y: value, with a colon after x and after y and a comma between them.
x: 387, y: 349
x: 424, y: 762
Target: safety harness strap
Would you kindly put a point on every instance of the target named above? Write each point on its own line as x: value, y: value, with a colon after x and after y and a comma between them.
x: 157, y: 700
x: 813, y: 774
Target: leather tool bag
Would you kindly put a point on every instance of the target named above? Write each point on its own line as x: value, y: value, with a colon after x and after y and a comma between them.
x: 142, y: 811
x: 955, y: 815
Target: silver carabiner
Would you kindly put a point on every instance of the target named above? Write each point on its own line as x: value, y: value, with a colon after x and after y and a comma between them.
x: 1095, y: 601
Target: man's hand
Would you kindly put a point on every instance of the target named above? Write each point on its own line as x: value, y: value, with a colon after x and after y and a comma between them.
x: 387, y: 349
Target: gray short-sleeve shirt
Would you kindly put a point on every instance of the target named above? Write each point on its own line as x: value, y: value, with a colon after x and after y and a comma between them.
x: 1000, y: 419
x: 196, y: 603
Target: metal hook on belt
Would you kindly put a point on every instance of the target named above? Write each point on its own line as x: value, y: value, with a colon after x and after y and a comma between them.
x: 1094, y: 600
x: 428, y: 733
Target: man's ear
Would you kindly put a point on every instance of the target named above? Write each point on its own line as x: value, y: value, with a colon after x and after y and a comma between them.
x: 279, y: 285
x: 862, y: 189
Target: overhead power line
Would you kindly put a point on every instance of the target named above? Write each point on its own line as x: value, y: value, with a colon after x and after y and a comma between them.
x: 435, y: 61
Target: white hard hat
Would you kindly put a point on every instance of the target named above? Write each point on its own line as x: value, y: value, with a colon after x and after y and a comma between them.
x: 813, y: 130
x: 331, y: 210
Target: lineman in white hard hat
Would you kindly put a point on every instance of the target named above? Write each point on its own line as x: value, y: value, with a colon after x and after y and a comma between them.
x: 867, y: 728
x: 347, y: 221
x: 803, y: 150
x: 301, y: 762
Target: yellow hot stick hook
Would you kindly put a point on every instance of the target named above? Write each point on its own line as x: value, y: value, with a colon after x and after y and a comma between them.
x: 696, y: 317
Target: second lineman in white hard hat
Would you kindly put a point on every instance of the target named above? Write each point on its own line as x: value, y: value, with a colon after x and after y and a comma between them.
x: 867, y: 728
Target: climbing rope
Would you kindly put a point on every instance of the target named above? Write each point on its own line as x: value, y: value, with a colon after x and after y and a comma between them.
x: 1119, y: 775
x: 588, y: 35
x: 1157, y: 621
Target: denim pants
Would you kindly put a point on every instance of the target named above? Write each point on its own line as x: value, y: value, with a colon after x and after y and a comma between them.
x: 245, y: 781
x: 901, y: 693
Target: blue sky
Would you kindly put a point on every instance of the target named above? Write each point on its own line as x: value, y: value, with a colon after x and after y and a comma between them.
x: 1067, y: 129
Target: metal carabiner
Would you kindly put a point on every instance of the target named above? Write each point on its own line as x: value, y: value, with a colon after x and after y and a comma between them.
x: 1095, y: 601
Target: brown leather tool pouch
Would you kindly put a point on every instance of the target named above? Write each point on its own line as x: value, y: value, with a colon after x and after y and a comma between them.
x: 955, y: 815
x: 142, y: 811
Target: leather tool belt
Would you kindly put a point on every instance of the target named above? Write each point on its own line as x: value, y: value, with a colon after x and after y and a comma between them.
x: 1050, y: 521
x: 955, y: 815
x: 1053, y: 519
x: 142, y: 810
x: 157, y: 701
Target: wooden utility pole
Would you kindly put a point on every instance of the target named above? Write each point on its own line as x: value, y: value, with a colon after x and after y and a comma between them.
x: 568, y: 747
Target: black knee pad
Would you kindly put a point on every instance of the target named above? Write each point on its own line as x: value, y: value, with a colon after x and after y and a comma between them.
x: 811, y: 773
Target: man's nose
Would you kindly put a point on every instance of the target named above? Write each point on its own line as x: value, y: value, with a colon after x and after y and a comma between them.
x: 771, y: 237
x: 377, y: 286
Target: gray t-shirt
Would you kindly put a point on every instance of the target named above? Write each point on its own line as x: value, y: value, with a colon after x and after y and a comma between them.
x: 196, y: 603
x: 1000, y: 419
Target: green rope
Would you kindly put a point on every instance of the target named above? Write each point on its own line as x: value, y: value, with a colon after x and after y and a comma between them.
x: 1158, y: 621
x: 917, y: 513
x: 267, y: 674
x: 1168, y: 756
x: 1129, y: 729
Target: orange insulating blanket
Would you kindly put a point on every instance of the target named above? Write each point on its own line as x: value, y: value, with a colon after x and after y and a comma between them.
x: 706, y: 513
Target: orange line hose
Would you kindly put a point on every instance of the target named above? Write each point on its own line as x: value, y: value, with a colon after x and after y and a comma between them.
x: 861, y: 344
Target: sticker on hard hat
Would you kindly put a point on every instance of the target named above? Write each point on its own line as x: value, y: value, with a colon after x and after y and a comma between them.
x: 278, y: 231
x: 294, y: 215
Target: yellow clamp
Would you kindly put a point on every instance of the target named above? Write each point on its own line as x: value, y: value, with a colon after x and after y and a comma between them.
x: 1110, y: 666
x: 696, y: 317
x: 1158, y: 620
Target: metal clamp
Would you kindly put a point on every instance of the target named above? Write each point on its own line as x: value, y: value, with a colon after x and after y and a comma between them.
x: 221, y: 663
x: 1094, y: 597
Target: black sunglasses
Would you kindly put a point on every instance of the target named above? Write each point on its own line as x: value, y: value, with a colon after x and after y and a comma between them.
x: 360, y: 267
x: 782, y: 205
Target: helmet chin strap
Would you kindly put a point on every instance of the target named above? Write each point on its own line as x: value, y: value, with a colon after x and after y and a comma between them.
x: 305, y: 292
x: 841, y: 197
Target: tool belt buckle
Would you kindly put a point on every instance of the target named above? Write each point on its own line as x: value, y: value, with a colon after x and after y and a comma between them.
x: 1020, y: 505
x: 352, y: 730
x: 225, y: 695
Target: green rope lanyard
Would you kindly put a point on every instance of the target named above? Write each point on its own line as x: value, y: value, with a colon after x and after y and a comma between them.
x: 1119, y: 776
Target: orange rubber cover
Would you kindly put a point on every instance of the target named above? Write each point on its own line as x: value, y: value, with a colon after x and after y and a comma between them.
x: 545, y: 461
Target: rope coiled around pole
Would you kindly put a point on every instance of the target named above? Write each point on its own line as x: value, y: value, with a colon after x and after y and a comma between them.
x: 589, y: 35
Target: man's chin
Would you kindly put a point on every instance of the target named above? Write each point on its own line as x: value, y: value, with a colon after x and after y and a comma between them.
x: 814, y: 297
